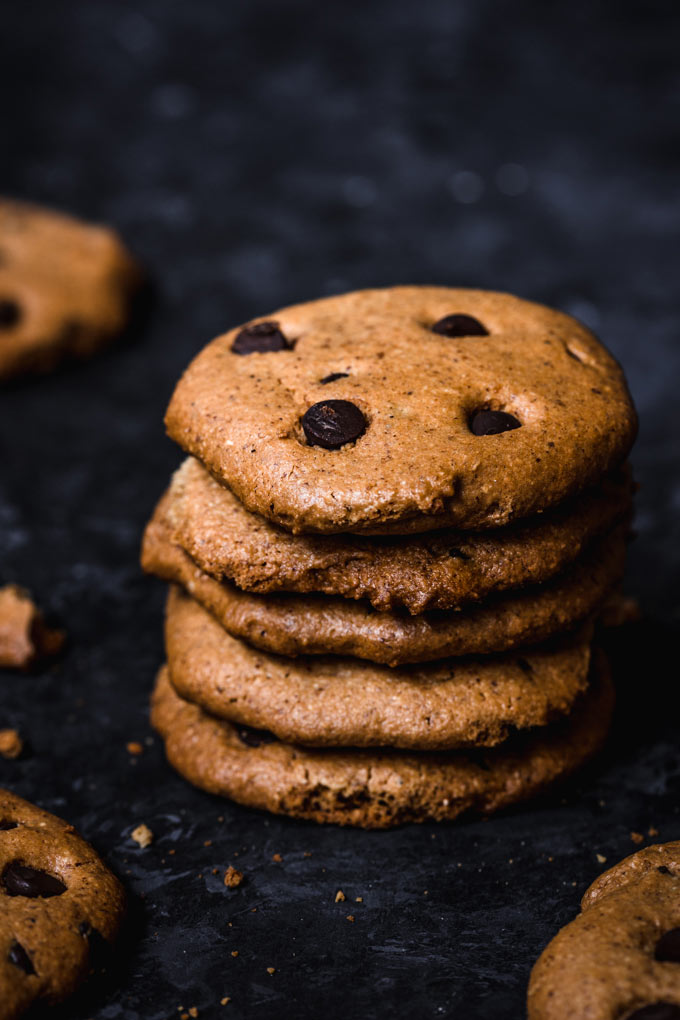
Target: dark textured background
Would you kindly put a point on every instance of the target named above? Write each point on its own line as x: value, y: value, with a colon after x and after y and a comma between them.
x: 259, y: 153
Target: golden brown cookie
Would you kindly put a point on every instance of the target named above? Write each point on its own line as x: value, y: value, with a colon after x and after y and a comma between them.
x: 321, y: 624
x: 620, y: 958
x: 441, y: 570
x: 330, y: 701
x: 58, y: 901
x: 380, y: 788
x: 65, y: 288
x: 25, y: 638
x: 409, y: 407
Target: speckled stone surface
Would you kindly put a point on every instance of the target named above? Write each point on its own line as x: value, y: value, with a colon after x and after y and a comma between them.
x: 257, y: 154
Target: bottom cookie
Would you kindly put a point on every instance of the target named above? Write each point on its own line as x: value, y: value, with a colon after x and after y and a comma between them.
x: 375, y: 789
x: 60, y: 905
x: 620, y: 958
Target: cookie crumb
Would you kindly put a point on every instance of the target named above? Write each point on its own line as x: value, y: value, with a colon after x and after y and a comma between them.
x: 359, y: 899
x: 601, y: 858
x: 350, y: 917
x: 307, y: 853
x: 142, y: 835
x: 232, y: 877
x: 225, y: 1000
x: 637, y: 837
x: 193, y: 1012
x: 277, y: 858
x: 234, y: 953
x: 207, y: 842
x: 651, y: 831
x: 134, y: 747
x: 25, y: 638
x: 339, y: 896
x: 11, y: 744
x: 271, y: 970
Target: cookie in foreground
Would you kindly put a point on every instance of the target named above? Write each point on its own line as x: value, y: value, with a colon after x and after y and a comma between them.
x: 59, y: 906
x: 620, y: 958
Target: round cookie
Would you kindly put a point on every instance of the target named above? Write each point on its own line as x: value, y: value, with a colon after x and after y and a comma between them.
x: 65, y: 288
x: 441, y: 570
x: 330, y: 701
x: 357, y: 413
x: 373, y: 789
x: 294, y: 625
x: 620, y: 958
x: 58, y: 902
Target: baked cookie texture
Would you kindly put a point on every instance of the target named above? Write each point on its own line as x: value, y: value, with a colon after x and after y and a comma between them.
x: 556, y: 413
x: 58, y: 904
x: 620, y: 958
x: 25, y: 638
x: 342, y: 702
x: 440, y: 570
x: 403, y: 513
x: 66, y: 288
x: 319, y: 624
x: 374, y: 789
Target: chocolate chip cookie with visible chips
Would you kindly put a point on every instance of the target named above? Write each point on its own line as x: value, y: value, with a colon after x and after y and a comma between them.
x: 405, y: 409
x: 59, y: 905
x: 66, y: 288
x: 620, y: 958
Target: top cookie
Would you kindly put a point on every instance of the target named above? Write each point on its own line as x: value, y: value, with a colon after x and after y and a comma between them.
x: 65, y: 287
x: 405, y: 409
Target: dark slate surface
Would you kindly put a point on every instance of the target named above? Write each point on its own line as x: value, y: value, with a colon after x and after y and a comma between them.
x: 254, y: 154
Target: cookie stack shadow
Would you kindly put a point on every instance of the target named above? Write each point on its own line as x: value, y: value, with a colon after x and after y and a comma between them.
x: 371, y: 679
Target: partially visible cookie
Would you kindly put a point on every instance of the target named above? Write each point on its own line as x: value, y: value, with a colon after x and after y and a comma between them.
x: 65, y: 288
x: 25, y: 638
x: 330, y: 701
x: 58, y: 903
x: 405, y: 408
x: 322, y: 624
x: 620, y: 958
x: 441, y: 570
x: 374, y: 789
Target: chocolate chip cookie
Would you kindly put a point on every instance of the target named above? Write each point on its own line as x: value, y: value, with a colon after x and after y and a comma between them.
x: 620, y: 958
x: 320, y: 624
x: 331, y: 701
x: 65, y: 288
x: 58, y: 904
x: 407, y: 408
x: 379, y: 788
x: 441, y: 570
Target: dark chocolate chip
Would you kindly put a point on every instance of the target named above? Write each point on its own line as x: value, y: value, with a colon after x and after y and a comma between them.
x: 20, y: 880
x: 10, y: 313
x: 332, y: 423
x: 6, y: 824
x: 668, y: 947
x: 261, y: 337
x: 332, y: 377
x: 20, y: 958
x: 253, y: 738
x: 490, y: 423
x: 458, y: 554
x: 663, y: 869
x: 459, y: 324
x: 656, y: 1011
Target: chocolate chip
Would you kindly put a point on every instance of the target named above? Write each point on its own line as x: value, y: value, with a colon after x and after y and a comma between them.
x: 20, y: 958
x: 6, y: 824
x: 261, y: 337
x: 253, y: 738
x: 668, y: 947
x: 332, y: 377
x: 490, y: 423
x: 10, y: 313
x: 656, y: 1011
x: 20, y: 880
x: 524, y: 665
x: 458, y: 554
x: 332, y: 423
x: 459, y: 324
x: 663, y: 869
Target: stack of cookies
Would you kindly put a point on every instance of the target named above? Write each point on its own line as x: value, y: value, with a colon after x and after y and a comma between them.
x: 402, y: 513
